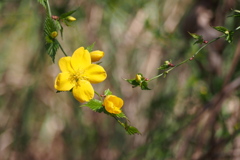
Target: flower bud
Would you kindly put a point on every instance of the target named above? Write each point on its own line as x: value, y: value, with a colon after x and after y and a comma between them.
x: 113, y: 104
x: 96, y: 55
x: 54, y: 34
x: 71, y: 18
x: 138, y: 78
x: 226, y: 32
x: 55, y: 17
x: 167, y: 62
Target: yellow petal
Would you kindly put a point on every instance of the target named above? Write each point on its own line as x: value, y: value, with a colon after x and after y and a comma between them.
x: 96, y: 55
x: 80, y: 59
x: 95, y: 73
x: 83, y: 91
x: 65, y: 64
x: 63, y: 83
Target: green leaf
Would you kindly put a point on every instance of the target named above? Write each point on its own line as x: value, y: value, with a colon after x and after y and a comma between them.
x: 50, y: 26
x: 94, y: 105
x: 65, y: 15
x: 43, y: 3
x: 236, y: 14
x: 221, y: 29
x: 131, y: 130
x: 132, y: 82
x: 198, y: 38
x: 144, y: 86
x: 107, y: 92
x: 121, y: 115
x: 90, y: 48
x: 52, y: 49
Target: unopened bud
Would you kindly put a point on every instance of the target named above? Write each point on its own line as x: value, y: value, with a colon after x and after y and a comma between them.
x: 226, y: 32
x: 191, y: 58
x: 205, y: 42
x: 71, y: 18
x: 138, y: 77
x: 55, y: 17
x: 146, y: 79
x: 167, y: 63
x: 54, y: 34
x: 171, y: 65
x: 96, y: 55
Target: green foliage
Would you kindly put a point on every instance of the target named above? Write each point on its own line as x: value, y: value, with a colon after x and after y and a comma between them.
x: 228, y: 34
x: 143, y: 82
x: 94, y: 105
x: 131, y: 130
x: 65, y: 15
x: 90, y: 48
x: 52, y: 48
x: 199, y: 38
x: 43, y: 3
x: 107, y: 92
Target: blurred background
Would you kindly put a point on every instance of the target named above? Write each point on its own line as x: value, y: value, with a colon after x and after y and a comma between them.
x: 192, y: 114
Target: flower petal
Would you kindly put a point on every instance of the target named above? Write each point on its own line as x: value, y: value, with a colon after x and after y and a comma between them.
x: 65, y: 64
x: 63, y: 83
x: 83, y: 91
x: 95, y: 73
x: 80, y: 59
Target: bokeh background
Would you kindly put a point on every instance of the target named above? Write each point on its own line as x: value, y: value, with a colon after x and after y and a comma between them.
x: 192, y: 114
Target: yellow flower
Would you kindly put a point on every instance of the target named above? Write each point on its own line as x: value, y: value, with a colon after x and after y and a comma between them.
x: 96, y: 55
x: 113, y: 104
x: 54, y: 34
x: 78, y: 73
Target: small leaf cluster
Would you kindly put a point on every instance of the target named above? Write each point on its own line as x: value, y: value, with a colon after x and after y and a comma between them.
x: 227, y: 33
x: 97, y: 106
x: 142, y: 82
x: 166, y: 65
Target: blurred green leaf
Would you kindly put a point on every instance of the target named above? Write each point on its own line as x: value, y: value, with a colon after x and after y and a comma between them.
x: 131, y: 130
x: 52, y: 49
x: 94, y: 105
x: 221, y: 29
x: 43, y: 2
x: 107, y: 92
x: 144, y: 86
x: 199, y: 39
x: 121, y: 115
x: 65, y: 15
x: 90, y: 48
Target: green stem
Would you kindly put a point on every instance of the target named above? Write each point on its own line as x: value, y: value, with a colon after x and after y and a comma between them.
x: 98, y: 95
x: 48, y: 9
x: 62, y: 49
x: 186, y: 60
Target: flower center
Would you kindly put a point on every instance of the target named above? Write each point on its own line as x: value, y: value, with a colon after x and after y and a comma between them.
x: 78, y: 75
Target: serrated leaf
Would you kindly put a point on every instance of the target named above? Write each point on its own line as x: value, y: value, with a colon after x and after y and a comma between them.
x: 221, y: 29
x: 65, y: 15
x: 121, y: 115
x: 132, y: 130
x: 90, y: 48
x: 52, y: 49
x: 43, y: 3
x: 132, y: 82
x: 49, y: 26
x: 94, y: 105
x: 107, y: 92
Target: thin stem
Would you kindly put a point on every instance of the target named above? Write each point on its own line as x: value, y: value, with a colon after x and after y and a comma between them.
x: 98, y: 95
x: 62, y: 50
x: 186, y: 60
x: 48, y: 9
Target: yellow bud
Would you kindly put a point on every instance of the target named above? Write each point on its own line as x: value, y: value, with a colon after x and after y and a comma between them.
x: 138, y: 78
x: 113, y: 104
x: 96, y: 55
x: 54, y: 34
x: 167, y: 62
x: 71, y: 18
x: 226, y: 32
